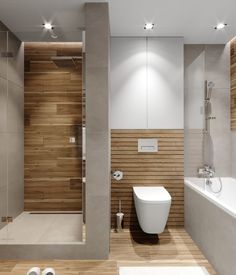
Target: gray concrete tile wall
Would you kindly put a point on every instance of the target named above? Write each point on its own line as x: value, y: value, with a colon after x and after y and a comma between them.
x: 213, y: 230
x: 212, y: 63
x: 97, y: 131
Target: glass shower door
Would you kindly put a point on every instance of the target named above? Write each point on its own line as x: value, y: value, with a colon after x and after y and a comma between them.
x: 53, y: 183
x: 3, y: 136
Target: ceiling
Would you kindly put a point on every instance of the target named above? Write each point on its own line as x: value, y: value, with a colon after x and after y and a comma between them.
x: 192, y: 19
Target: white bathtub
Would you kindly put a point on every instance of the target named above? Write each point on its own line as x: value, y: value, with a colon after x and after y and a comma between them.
x: 226, y: 199
x: 210, y: 219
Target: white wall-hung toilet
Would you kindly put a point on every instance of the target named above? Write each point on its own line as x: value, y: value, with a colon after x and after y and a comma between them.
x: 152, y: 206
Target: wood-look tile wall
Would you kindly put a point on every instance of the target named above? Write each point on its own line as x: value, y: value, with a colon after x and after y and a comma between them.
x: 164, y: 168
x: 53, y: 114
x: 233, y: 84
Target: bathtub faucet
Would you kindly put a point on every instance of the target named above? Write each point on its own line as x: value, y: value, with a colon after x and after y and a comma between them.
x: 207, y: 172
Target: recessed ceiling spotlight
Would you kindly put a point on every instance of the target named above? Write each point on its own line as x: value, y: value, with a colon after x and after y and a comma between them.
x: 220, y: 26
x: 149, y: 26
x: 48, y: 26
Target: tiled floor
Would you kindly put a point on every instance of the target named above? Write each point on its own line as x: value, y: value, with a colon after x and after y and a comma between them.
x: 35, y: 228
x: 174, y: 248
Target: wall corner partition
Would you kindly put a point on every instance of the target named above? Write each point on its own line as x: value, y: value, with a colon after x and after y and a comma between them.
x: 97, y: 43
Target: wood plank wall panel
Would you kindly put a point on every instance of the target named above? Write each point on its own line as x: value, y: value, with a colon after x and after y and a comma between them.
x: 233, y: 84
x: 53, y: 113
x: 166, y: 168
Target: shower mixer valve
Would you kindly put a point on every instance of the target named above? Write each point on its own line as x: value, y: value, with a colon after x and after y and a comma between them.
x: 206, y: 171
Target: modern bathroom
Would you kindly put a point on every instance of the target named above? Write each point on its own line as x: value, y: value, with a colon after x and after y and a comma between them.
x: 117, y: 137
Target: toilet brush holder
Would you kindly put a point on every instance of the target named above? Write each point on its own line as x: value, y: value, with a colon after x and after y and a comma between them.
x: 119, y: 221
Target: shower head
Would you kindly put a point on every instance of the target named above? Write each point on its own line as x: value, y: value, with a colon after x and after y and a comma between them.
x: 209, y: 86
x: 7, y: 54
x: 66, y: 61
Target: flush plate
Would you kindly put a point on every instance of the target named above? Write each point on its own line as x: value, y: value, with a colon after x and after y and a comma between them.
x: 147, y: 145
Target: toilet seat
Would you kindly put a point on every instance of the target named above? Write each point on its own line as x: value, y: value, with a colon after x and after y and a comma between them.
x: 155, y: 194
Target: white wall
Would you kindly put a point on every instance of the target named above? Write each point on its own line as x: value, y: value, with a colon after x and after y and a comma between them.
x: 146, y: 83
x: 128, y: 83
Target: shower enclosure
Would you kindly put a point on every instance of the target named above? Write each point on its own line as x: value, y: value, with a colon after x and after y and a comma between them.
x: 11, y: 130
x: 50, y: 180
x: 42, y: 132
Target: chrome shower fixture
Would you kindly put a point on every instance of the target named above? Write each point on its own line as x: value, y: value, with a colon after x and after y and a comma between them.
x: 208, y: 89
x: 209, y: 85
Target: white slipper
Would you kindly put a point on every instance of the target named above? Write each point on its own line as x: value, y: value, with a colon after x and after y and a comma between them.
x: 34, y: 271
x: 49, y: 271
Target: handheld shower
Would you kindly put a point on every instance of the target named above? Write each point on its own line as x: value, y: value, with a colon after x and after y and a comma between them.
x: 209, y: 85
x: 208, y: 89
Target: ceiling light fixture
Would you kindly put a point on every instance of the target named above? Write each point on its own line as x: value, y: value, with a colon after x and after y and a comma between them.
x: 149, y: 26
x: 220, y: 26
x: 48, y: 26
